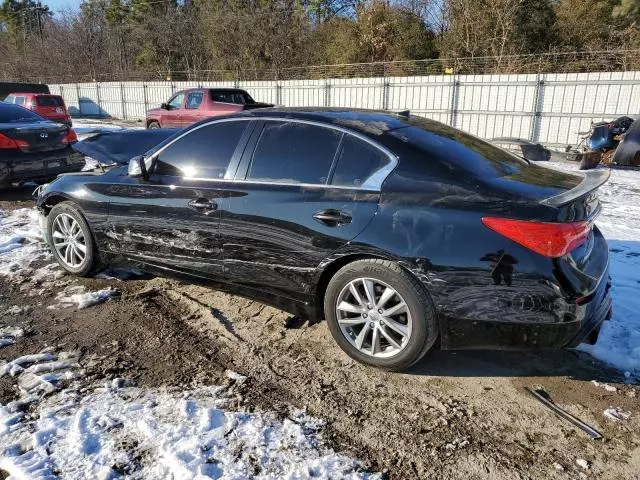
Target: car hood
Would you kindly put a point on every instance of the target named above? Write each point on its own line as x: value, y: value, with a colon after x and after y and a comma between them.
x: 121, y: 146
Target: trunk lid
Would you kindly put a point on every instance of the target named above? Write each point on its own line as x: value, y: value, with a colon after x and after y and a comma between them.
x: 41, y: 136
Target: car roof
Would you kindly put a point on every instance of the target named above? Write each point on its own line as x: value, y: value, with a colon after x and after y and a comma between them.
x: 372, y: 123
x: 33, y: 94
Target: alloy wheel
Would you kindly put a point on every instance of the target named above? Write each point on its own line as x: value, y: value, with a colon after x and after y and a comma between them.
x: 69, y: 240
x: 373, y: 317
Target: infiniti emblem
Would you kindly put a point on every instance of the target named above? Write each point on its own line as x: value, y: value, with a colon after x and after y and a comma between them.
x: 44, y: 135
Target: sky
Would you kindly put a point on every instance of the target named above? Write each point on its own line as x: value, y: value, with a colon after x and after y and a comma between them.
x: 57, y: 5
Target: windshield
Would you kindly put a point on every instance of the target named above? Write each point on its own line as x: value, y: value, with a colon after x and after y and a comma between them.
x: 15, y: 114
x: 462, y: 149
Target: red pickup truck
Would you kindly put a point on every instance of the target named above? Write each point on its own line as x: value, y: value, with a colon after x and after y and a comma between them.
x: 190, y: 106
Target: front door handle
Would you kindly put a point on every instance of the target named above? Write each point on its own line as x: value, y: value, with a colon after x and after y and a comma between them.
x: 203, y: 204
x: 332, y: 217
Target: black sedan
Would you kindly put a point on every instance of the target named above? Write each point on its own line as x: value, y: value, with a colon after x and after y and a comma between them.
x: 399, y: 231
x: 34, y: 148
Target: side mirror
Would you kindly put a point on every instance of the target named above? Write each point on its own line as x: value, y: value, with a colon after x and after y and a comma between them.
x: 165, y: 106
x: 137, y: 167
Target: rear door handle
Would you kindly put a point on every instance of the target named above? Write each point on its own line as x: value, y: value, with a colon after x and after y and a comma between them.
x: 332, y: 217
x: 203, y: 204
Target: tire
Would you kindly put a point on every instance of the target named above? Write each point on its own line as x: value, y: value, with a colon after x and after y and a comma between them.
x: 153, y: 124
x: 421, y: 327
x: 59, y: 221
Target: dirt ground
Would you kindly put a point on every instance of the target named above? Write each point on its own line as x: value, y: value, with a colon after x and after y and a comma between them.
x: 454, y: 415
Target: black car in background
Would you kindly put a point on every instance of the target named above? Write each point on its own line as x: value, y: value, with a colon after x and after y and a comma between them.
x: 34, y: 148
x: 400, y: 231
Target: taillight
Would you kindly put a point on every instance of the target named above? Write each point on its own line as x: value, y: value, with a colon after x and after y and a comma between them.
x: 10, y: 143
x: 70, y: 136
x: 546, y: 238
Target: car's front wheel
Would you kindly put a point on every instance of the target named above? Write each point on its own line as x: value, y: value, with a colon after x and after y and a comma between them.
x: 379, y: 314
x: 153, y: 125
x: 71, y: 240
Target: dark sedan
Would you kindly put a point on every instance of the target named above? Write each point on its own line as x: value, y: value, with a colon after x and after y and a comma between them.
x: 399, y: 231
x: 34, y: 148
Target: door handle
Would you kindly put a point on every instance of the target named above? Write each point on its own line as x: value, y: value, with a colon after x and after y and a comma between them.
x: 332, y: 217
x: 203, y: 204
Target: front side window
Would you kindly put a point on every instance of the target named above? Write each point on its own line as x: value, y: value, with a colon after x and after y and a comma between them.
x: 176, y: 102
x: 291, y: 152
x: 10, y: 99
x: 194, y: 100
x: 357, y: 162
x: 203, y: 153
x: 19, y: 101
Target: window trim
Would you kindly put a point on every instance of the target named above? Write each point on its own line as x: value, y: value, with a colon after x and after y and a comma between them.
x: 245, y: 144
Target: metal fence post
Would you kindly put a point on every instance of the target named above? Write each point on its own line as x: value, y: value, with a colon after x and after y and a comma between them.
x: 144, y: 93
x: 453, y: 109
x: 98, y: 97
x: 385, y: 94
x: 124, y: 110
x: 78, y: 96
x: 278, y: 94
x: 327, y: 93
x: 537, y: 109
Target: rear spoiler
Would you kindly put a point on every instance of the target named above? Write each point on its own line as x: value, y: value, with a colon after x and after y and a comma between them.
x: 592, y: 180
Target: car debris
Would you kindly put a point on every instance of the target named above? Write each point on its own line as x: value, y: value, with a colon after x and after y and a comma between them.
x: 546, y: 400
x: 530, y: 151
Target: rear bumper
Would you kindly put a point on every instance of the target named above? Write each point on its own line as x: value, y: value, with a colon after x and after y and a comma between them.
x: 40, y: 166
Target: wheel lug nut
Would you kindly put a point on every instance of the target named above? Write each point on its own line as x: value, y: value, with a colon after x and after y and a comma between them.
x: 380, y: 311
x: 364, y: 315
x: 369, y: 307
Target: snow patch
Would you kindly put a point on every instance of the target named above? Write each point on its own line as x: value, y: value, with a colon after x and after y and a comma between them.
x: 77, y: 296
x: 159, y: 434
x: 616, y: 414
x: 21, y: 242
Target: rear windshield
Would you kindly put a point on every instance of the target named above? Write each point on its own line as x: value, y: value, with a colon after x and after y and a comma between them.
x: 49, y: 101
x: 448, y: 145
x: 13, y: 114
x: 230, y: 96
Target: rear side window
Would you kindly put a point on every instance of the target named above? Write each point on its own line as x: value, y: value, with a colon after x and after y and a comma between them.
x: 194, y: 100
x: 290, y: 152
x: 204, y: 153
x: 357, y: 161
x: 14, y: 114
x: 240, y: 98
x: 447, y: 145
x: 49, y: 101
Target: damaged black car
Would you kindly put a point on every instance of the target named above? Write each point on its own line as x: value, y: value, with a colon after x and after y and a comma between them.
x: 403, y: 233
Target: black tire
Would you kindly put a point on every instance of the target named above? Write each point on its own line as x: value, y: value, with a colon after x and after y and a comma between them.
x: 424, y: 332
x: 153, y: 124
x: 91, y: 261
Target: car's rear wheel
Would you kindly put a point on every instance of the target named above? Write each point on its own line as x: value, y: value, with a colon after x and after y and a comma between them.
x: 379, y: 314
x: 71, y: 240
x: 153, y: 125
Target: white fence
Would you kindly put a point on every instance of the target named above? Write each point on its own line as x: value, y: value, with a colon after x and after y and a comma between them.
x: 547, y: 108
